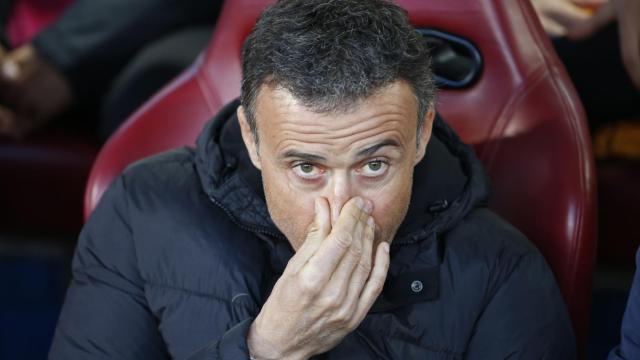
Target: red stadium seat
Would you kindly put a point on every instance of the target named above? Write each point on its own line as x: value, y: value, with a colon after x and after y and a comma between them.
x: 522, y: 115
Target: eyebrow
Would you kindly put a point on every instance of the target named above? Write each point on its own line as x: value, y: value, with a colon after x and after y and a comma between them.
x: 303, y: 156
x: 374, y: 148
x: 318, y: 158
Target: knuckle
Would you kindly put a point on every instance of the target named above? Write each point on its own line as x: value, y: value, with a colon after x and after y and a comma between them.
x: 356, y: 250
x: 306, y: 288
x: 332, y: 300
x: 343, y: 318
x: 353, y: 324
x: 308, y: 283
x: 355, y: 215
x: 293, y: 266
x: 353, y: 321
x: 365, y: 266
x: 343, y: 239
x: 377, y: 284
x: 312, y: 229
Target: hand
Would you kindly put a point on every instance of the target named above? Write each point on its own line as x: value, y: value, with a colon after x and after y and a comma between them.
x: 327, y: 288
x: 627, y: 12
x: 32, y: 92
x: 558, y: 17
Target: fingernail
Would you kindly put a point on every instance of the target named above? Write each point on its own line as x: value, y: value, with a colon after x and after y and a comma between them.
x: 360, y: 203
x: 368, y: 206
x: 370, y: 221
x: 385, y: 247
x: 316, y: 206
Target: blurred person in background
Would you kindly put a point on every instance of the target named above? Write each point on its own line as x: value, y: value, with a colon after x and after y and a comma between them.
x: 99, y: 54
x: 599, y: 43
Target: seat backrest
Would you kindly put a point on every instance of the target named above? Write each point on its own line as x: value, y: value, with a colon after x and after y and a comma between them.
x: 522, y: 115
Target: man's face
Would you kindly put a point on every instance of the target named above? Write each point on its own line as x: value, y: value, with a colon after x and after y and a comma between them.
x: 368, y: 151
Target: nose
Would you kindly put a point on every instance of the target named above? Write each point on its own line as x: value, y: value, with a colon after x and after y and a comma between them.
x: 339, y: 191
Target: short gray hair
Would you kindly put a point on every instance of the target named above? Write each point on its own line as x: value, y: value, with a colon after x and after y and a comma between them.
x: 330, y: 54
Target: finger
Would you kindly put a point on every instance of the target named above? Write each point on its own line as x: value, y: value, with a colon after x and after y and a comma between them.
x: 340, y: 280
x: 318, y: 230
x: 374, y: 285
x: 629, y: 30
x: 363, y: 269
x: 584, y: 29
x: 558, y: 16
x: 353, y: 212
x: 552, y: 27
x: 631, y: 59
x: 339, y: 240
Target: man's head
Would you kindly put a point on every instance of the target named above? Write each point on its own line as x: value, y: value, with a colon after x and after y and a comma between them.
x: 337, y: 102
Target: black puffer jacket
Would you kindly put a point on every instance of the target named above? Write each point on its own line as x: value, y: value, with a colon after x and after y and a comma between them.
x: 181, y: 253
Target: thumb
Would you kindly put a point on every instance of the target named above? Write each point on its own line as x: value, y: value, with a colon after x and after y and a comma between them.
x: 584, y: 29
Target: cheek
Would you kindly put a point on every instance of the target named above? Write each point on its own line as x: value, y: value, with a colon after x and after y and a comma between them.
x: 291, y: 210
x: 390, y: 211
x: 390, y: 206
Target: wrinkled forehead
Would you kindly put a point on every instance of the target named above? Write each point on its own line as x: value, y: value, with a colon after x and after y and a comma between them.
x: 286, y: 122
x: 275, y: 103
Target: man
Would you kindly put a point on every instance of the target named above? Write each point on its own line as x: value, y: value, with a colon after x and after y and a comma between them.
x: 361, y: 235
x: 109, y: 54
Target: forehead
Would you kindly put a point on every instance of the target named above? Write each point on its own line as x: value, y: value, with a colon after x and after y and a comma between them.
x: 283, y: 120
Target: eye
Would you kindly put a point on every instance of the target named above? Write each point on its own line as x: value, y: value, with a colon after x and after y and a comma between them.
x: 374, y: 168
x: 307, y: 171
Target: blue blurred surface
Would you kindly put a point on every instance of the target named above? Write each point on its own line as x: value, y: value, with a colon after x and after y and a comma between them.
x: 31, y: 293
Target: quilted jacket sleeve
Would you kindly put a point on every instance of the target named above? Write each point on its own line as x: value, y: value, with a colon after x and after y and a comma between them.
x: 105, y: 314
x: 526, y: 318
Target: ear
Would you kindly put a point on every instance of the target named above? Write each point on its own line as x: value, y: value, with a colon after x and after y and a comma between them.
x: 247, y: 136
x: 425, y: 135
